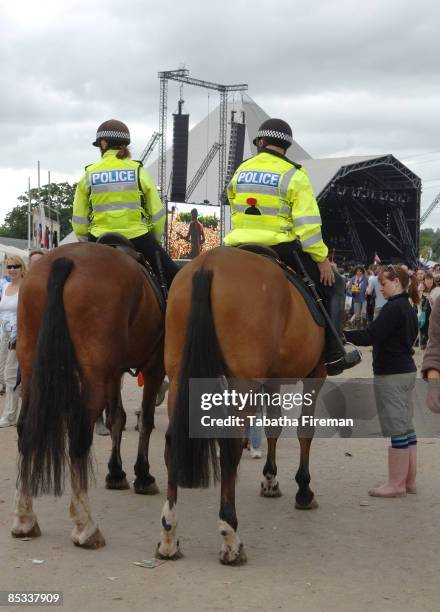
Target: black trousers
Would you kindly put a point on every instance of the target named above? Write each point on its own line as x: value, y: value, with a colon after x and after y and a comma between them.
x: 333, y: 297
x: 149, y: 246
x: 285, y: 251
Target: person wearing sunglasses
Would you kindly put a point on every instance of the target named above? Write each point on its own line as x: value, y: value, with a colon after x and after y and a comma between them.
x: 16, y: 270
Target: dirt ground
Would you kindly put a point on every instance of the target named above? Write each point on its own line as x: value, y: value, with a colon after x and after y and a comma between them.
x: 344, y: 556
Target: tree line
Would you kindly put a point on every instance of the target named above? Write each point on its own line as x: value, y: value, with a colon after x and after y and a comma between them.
x: 57, y: 196
x: 430, y: 244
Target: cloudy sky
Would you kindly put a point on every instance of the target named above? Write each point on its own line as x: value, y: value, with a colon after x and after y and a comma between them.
x: 350, y: 77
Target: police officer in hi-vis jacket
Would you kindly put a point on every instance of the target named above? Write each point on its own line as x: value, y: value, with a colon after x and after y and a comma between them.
x: 272, y: 204
x: 116, y: 194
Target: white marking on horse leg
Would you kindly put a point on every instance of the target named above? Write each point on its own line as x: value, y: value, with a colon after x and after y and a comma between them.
x: 232, y: 548
x: 270, y: 486
x: 25, y: 518
x: 80, y: 513
x: 168, y: 546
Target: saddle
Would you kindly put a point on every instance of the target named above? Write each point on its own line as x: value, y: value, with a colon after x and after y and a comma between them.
x: 291, y: 276
x: 117, y: 241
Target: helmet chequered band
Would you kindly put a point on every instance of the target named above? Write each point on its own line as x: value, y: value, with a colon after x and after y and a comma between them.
x: 113, y: 134
x: 275, y: 134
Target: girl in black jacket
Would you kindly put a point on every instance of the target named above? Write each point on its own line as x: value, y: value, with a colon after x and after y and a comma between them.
x: 392, y: 336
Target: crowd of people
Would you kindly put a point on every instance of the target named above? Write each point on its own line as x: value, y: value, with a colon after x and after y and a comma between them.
x: 364, y: 300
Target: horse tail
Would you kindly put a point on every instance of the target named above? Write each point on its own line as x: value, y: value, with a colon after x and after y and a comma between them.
x: 195, y: 459
x: 55, y: 408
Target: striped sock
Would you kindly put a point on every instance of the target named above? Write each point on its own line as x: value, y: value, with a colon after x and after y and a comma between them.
x: 399, y: 441
x: 412, y: 438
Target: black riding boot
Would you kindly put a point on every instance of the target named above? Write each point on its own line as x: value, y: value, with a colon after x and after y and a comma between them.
x: 337, y: 359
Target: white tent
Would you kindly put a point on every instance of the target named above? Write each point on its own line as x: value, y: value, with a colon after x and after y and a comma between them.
x: 7, y: 250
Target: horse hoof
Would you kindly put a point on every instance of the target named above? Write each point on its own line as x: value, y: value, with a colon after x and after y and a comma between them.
x: 146, y: 489
x: 166, y: 557
x: 310, y: 506
x: 228, y: 557
x: 117, y: 485
x: 269, y: 490
x: 35, y: 532
x: 96, y: 540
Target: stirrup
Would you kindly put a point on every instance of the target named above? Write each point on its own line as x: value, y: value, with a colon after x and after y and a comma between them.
x: 344, y: 362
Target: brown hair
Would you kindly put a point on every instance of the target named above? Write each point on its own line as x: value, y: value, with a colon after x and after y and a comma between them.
x: 37, y: 252
x: 431, y: 276
x: 124, y: 152
x: 361, y: 268
x: 409, y: 283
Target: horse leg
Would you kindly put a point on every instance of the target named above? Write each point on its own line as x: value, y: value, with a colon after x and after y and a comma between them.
x: 145, y: 483
x: 232, y: 550
x: 270, y: 486
x: 305, y: 498
x: 85, y: 532
x: 116, y: 477
x: 25, y: 524
x: 169, y: 547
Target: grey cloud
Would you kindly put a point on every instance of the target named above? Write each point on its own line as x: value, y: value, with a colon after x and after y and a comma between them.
x: 350, y: 78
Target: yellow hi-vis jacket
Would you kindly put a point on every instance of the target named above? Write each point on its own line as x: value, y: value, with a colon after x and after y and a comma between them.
x: 280, y: 196
x: 117, y: 195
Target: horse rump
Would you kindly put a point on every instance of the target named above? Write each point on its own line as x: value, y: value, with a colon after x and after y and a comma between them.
x: 195, y: 460
x: 55, y: 409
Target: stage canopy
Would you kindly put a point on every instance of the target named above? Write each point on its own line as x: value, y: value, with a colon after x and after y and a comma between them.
x: 369, y: 205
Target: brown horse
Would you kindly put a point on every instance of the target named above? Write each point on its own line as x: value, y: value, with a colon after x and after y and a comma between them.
x: 232, y: 313
x: 86, y: 314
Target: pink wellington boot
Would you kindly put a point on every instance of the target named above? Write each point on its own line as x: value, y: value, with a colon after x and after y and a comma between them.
x: 398, y: 463
x: 412, y: 470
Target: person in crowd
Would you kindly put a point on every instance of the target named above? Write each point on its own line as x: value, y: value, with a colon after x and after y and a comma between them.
x: 358, y: 285
x: 420, y: 276
x: 392, y: 335
x: 431, y: 360
x: 3, y: 345
x: 435, y: 291
x: 425, y: 308
x: 8, y: 315
x: 435, y: 271
x: 195, y: 235
x: 116, y: 194
x: 370, y: 297
x: 373, y: 289
x: 35, y: 255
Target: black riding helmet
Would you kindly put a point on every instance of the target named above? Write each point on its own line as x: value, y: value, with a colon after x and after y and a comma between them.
x: 114, y: 132
x: 276, y: 132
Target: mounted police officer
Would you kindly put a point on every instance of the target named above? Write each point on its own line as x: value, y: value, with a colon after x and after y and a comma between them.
x: 272, y: 204
x: 116, y: 194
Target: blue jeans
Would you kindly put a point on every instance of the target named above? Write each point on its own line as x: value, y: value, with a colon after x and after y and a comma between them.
x: 254, y: 433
